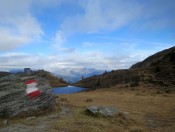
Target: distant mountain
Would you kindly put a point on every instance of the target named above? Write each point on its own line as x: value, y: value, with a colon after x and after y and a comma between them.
x: 16, y: 70
x: 75, y: 74
x: 69, y: 79
x: 157, y: 70
x: 3, y: 74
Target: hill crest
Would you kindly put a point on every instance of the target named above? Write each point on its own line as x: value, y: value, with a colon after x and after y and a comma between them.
x: 157, y: 70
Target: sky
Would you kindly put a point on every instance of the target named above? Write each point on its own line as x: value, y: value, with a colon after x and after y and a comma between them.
x: 76, y: 34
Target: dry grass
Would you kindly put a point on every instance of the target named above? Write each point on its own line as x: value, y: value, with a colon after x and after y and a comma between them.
x: 80, y: 122
x: 149, y: 111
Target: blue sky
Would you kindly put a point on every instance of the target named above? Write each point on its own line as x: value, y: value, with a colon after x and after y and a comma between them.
x: 73, y: 34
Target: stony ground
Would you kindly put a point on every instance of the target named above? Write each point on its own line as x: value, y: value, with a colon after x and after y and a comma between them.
x: 35, y: 123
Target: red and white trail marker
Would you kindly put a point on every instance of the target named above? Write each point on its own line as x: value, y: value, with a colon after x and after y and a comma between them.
x: 32, y: 90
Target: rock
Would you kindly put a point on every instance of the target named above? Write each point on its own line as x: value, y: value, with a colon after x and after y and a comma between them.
x: 65, y: 110
x: 14, y: 100
x: 53, y: 116
x: 106, y: 111
x: 126, y: 113
x: 29, y: 118
x: 5, y: 122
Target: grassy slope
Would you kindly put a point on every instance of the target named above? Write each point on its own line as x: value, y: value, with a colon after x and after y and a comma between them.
x: 158, y: 69
x: 149, y: 111
x: 53, y: 80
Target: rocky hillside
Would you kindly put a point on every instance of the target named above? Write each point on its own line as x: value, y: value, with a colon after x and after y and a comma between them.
x: 13, y: 97
x: 161, y: 65
x: 110, y: 79
x: 163, y: 58
x: 157, y: 70
x: 14, y: 100
x: 53, y: 80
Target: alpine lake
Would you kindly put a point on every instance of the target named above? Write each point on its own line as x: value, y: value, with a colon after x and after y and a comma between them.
x: 68, y: 90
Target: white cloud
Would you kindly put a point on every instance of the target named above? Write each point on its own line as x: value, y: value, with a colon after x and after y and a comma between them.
x: 47, y: 3
x: 158, y: 14
x: 10, y: 41
x: 58, y: 40
x: 64, y: 63
x: 101, y: 15
x: 97, y: 60
x: 13, y: 54
x: 17, y: 25
x: 89, y: 44
x: 58, y: 43
x: 105, y: 16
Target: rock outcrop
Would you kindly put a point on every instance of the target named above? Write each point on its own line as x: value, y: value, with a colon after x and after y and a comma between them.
x: 106, y: 111
x: 14, y: 100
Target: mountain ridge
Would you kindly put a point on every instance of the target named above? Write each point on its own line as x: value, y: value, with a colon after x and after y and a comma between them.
x: 78, y: 74
x: 157, y: 70
x: 159, y: 57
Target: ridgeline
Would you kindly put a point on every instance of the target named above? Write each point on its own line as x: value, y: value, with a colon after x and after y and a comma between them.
x: 157, y: 70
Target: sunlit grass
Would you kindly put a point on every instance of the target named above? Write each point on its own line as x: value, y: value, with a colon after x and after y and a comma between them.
x: 81, y: 122
x: 138, y: 105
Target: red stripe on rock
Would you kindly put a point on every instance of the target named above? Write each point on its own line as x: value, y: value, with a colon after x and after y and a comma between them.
x: 34, y: 94
x: 30, y: 81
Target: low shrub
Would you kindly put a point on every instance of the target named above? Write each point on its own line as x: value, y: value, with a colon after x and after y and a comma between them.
x: 134, y: 84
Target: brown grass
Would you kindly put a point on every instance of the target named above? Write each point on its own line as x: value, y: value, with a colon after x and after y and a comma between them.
x: 81, y: 122
x: 149, y: 111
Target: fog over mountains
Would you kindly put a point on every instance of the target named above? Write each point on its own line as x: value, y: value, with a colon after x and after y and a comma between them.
x: 70, y: 75
x: 75, y: 74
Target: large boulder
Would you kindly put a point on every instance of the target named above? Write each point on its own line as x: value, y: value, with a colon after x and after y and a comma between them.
x: 14, y: 100
x: 106, y: 111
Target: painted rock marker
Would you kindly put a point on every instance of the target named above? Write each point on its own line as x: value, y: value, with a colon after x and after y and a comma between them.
x: 32, y: 90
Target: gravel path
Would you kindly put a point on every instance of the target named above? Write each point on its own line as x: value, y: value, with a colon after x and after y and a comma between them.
x: 38, y: 124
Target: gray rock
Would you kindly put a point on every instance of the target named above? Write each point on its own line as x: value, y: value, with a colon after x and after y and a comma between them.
x: 53, y: 116
x: 5, y: 122
x: 23, y: 128
x: 14, y: 100
x: 65, y: 110
x: 29, y: 118
x: 107, y: 111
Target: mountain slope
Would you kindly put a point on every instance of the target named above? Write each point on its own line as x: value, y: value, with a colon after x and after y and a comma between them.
x: 163, y: 58
x: 110, y: 79
x: 53, y: 80
x: 157, y: 70
x: 75, y: 74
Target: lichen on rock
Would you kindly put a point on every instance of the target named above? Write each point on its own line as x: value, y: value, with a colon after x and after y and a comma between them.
x: 14, y: 100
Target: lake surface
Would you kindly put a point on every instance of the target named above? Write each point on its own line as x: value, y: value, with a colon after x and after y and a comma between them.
x: 67, y: 90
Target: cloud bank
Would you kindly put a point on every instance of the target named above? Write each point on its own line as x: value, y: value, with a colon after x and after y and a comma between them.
x: 22, y: 23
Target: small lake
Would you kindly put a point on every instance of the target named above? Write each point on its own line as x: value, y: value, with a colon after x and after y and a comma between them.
x: 68, y: 90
